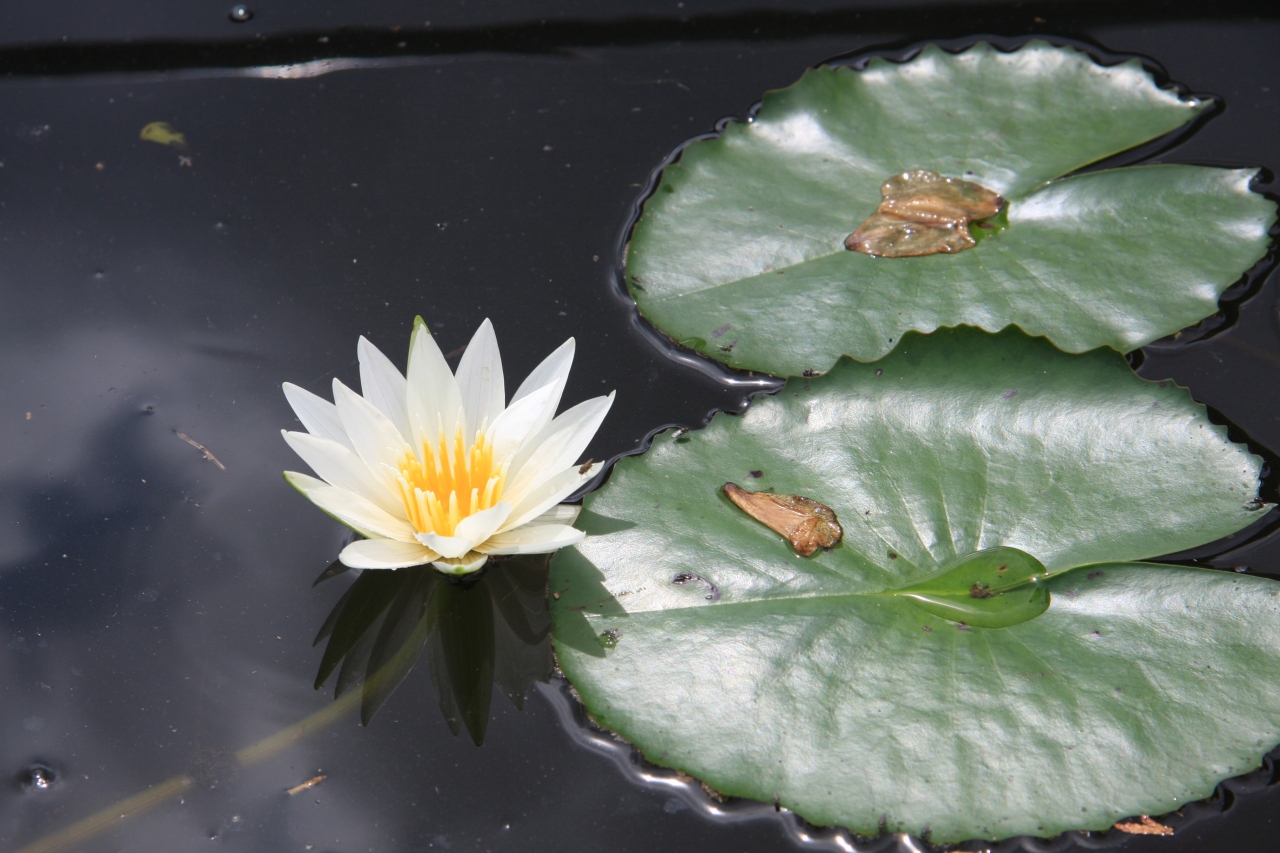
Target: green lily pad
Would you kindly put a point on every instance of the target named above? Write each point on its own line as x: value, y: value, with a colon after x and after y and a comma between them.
x: 994, y: 588
x: 823, y: 682
x: 740, y: 254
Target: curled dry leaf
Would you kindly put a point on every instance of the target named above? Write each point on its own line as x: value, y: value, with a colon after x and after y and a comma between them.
x: 1144, y: 825
x: 807, y: 524
x: 923, y: 213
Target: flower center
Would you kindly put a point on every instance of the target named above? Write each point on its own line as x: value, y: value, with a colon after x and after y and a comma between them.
x: 452, y: 481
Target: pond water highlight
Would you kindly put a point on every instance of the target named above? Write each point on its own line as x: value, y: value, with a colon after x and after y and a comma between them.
x: 154, y: 611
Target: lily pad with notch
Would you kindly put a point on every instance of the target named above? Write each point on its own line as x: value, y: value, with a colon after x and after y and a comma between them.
x: 747, y: 230
x: 843, y: 684
x: 994, y: 588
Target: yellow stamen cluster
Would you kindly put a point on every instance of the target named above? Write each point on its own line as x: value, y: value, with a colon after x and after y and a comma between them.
x: 449, y: 482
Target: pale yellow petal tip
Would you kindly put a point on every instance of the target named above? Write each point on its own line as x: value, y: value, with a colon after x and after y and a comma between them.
x: 457, y: 566
x: 303, y: 483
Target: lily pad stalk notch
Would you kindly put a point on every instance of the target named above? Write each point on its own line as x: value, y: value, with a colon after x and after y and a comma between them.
x: 986, y: 622
x: 747, y: 229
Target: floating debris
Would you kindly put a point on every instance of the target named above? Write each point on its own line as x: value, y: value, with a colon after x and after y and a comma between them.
x: 1144, y: 825
x: 310, y: 783
x: 807, y: 524
x: 163, y: 133
x: 198, y: 446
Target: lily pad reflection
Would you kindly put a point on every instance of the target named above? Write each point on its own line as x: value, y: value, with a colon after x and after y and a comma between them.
x: 494, y: 630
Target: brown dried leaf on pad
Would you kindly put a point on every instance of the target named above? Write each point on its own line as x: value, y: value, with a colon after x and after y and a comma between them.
x: 807, y: 524
x: 923, y: 213
x: 1144, y: 825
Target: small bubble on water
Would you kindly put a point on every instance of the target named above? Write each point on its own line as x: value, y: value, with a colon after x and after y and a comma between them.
x: 34, y: 133
x: 240, y: 13
x: 37, y: 777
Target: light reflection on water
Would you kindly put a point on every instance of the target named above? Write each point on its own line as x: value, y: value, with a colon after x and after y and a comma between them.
x: 155, y: 615
x: 155, y: 609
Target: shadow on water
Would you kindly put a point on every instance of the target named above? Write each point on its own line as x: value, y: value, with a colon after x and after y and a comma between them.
x: 475, y: 633
x: 97, y: 560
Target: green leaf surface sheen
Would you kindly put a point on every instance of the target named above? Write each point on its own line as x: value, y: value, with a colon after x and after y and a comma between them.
x: 740, y: 251
x: 818, y: 680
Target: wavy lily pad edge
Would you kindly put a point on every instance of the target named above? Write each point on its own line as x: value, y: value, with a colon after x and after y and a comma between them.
x: 1229, y: 301
x: 709, y: 803
x: 1212, y: 804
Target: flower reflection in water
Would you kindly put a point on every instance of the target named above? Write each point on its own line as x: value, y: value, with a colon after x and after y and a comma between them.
x: 490, y: 629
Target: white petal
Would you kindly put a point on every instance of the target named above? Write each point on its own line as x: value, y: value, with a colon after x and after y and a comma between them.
x: 554, y: 372
x: 523, y: 418
x: 340, y: 466
x: 557, y: 447
x: 372, y: 434
x: 385, y: 554
x: 532, y: 539
x: 383, y: 385
x: 317, y: 414
x: 464, y: 565
x: 352, y: 510
x: 558, y: 514
x: 547, y: 494
x: 481, y: 525
x: 433, y: 397
x: 469, y: 533
x: 304, y: 483
x: 448, y: 546
x: 484, y: 394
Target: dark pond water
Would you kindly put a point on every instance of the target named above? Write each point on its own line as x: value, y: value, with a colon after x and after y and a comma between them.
x: 156, y: 612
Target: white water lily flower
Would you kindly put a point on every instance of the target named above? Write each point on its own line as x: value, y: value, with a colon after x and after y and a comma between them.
x: 439, y: 468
